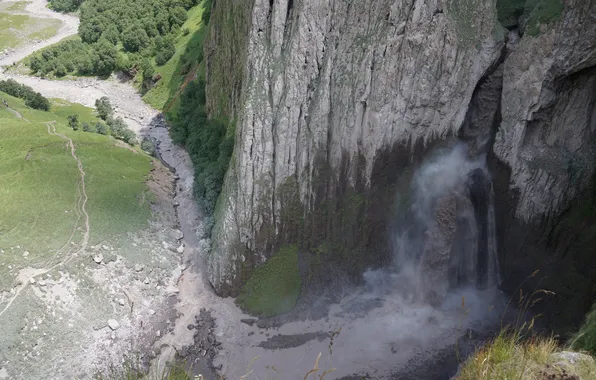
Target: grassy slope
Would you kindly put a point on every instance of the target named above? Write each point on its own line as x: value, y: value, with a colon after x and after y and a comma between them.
x: 182, y: 64
x: 508, y: 357
x: 15, y: 29
x: 38, y: 180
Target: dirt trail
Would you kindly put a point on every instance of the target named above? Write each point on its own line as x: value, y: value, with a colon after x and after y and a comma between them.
x: 27, y: 275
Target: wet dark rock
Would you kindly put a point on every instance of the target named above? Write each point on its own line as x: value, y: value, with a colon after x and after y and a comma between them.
x: 248, y: 321
x: 291, y: 341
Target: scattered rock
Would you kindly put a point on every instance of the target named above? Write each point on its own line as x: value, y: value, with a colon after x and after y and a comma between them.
x: 158, y: 333
x: 151, y: 312
x: 139, y: 267
x: 3, y: 373
x: 171, y: 289
x: 146, y: 281
x: 26, y: 253
x: 165, y: 245
x: 122, y: 302
x: 42, y: 283
x: 113, y: 324
x: 190, y: 327
x: 32, y: 280
x: 177, y: 234
x: 180, y: 249
x: 176, y: 204
x: 248, y: 321
x: 105, y: 247
x: 98, y: 258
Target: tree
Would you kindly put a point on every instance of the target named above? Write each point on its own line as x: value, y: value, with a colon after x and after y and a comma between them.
x: 134, y: 38
x: 104, y: 107
x: 37, y: 101
x: 107, y: 57
x: 117, y: 126
x: 177, y: 17
x: 73, y: 122
x: 164, y: 49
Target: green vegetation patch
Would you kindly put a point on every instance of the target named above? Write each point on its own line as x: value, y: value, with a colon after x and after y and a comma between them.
x: 512, y: 356
x: 65, y: 5
x: 187, y: 56
x: 509, y: 11
x: 38, y: 184
x: 17, y: 29
x: 116, y: 35
x: 544, y: 12
x: 275, y: 286
x: 585, y: 339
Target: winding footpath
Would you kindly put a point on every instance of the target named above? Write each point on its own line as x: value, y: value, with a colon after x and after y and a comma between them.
x: 26, y: 275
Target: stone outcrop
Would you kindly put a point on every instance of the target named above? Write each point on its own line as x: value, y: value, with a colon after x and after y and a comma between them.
x: 337, y: 98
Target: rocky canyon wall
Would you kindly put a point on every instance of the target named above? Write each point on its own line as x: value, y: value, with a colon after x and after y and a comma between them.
x: 337, y: 98
x: 334, y: 103
x: 544, y: 163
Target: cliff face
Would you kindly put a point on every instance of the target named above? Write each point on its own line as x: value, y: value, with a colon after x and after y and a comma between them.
x: 340, y: 98
x: 545, y: 162
x: 337, y: 95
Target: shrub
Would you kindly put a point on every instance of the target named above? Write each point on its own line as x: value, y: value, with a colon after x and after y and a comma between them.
x: 73, y: 122
x: 148, y: 146
x: 87, y: 127
x: 101, y: 128
x: 104, y: 108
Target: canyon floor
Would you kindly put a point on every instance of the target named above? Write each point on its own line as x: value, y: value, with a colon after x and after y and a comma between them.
x: 142, y: 299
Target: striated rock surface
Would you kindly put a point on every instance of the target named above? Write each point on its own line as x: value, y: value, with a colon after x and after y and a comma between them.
x: 337, y: 98
x: 545, y: 162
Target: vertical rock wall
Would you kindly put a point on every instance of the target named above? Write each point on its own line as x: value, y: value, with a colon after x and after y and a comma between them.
x: 337, y: 99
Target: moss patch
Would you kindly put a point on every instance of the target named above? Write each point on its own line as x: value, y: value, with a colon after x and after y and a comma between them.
x: 274, y: 287
x: 509, y: 11
x: 545, y: 12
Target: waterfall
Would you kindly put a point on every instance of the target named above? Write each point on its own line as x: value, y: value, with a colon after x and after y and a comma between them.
x: 446, y: 237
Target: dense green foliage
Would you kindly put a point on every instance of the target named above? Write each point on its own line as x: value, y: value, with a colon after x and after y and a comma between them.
x: 207, y: 141
x: 65, y: 5
x: 32, y: 99
x: 273, y: 287
x: 74, y: 56
x: 116, y: 35
x: 585, y: 339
